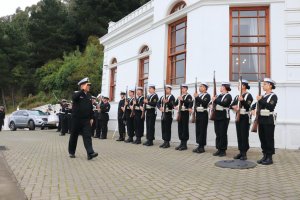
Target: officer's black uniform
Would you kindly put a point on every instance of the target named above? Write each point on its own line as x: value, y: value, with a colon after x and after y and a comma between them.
x: 243, y: 125
x: 69, y: 116
x: 104, y: 117
x: 183, y: 124
x: 95, y: 117
x: 2, y: 117
x: 202, y: 102
x: 64, y: 117
x: 166, y: 122
x: 81, y: 116
x: 221, y: 123
x: 121, y: 120
x: 129, y: 121
x: 266, y: 127
x: 150, y: 118
x: 138, y: 120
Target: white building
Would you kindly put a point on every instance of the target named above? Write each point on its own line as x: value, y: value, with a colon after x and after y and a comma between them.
x: 177, y: 41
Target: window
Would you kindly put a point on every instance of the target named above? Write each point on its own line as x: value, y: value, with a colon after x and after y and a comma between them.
x: 178, y: 7
x: 249, y: 43
x: 144, y: 68
x: 177, y: 52
x: 113, y: 80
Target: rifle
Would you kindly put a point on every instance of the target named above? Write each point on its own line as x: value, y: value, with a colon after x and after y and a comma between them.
x: 195, y: 106
x: 255, y: 123
x: 179, y: 107
x: 238, y: 113
x: 126, y: 98
x: 145, y: 105
x: 165, y: 107
x: 133, y: 110
x: 212, y: 114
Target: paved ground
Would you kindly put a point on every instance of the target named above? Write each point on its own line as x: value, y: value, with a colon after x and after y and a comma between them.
x: 40, y: 162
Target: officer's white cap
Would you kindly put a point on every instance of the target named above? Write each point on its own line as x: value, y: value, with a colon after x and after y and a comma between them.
x: 140, y: 88
x: 83, y: 81
x: 245, y: 81
x: 269, y: 81
x: 204, y: 83
x: 184, y: 85
x: 151, y: 85
x: 226, y: 83
x: 169, y: 86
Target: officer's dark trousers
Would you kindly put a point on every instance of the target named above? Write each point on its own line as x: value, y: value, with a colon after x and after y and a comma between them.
x: 1, y: 124
x: 183, y: 126
x: 166, y: 126
x: 130, y: 125
x: 98, y: 127
x: 103, y: 134
x: 266, y: 136
x: 59, y: 122
x: 221, y: 127
x: 150, y: 124
x: 94, y: 126
x: 139, y: 124
x: 121, y: 126
x: 69, y: 122
x: 201, y: 128
x: 64, y: 124
x: 242, y: 130
x: 82, y: 126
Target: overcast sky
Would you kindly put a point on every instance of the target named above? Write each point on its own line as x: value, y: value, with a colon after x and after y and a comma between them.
x: 8, y: 7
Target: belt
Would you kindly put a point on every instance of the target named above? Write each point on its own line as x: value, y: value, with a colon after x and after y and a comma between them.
x: 169, y: 110
x: 265, y: 112
x: 201, y: 109
x: 149, y: 107
x: 137, y: 108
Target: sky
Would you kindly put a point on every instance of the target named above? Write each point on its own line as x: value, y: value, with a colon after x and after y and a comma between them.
x: 8, y: 7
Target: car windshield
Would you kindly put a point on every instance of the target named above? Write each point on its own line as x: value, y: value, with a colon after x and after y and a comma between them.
x: 37, y: 113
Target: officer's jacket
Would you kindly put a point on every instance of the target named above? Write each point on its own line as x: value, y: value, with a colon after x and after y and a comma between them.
x: 187, y: 101
x: 82, y: 105
x: 268, y: 101
x: 2, y: 117
x: 152, y: 101
x: 223, y: 100
x: 202, y: 100
x: 170, y: 105
x: 127, y: 108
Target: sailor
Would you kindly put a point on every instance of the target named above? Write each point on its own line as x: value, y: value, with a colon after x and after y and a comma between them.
x: 121, y: 115
x: 201, y: 101
x: 138, y: 119
x: 222, y: 119
x: 129, y: 116
x: 166, y: 105
x: 241, y: 105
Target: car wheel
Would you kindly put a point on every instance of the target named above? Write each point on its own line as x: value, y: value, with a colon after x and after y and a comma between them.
x: 31, y: 125
x: 12, y: 126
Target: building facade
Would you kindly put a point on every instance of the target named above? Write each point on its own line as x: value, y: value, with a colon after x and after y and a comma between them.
x: 176, y: 41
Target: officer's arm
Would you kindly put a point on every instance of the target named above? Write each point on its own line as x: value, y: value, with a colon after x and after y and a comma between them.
x: 234, y: 102
x: 141, y: 103
x: 171, y: 103
x: 176, y: 102
x: 253, y: 107
x: 189, y: 101
x: 159, y: 103
x: 77, y: 95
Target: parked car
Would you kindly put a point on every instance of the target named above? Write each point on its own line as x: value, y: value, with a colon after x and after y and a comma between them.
x: 53, y: 120
x: 28, y: 119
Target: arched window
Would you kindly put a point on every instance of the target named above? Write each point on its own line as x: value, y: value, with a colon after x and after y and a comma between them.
x: 144, y: 68
x: 179, y: 6
x: 113, y: 80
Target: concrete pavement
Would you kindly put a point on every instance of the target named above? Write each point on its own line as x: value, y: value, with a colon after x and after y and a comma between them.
x: 40, y: 162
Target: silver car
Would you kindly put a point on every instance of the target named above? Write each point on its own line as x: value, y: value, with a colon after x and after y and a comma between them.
x: 27, y: 119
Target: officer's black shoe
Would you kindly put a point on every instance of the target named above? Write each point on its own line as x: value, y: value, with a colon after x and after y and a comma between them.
x: 150, y: 143
x: 167, y: 145
x: 62, y: 134
x: 146, y: 143
x: 95, y: 136
x: 120, y: 139
x: 196, y: 150
x: 222, y: 153
x: 216, y: 153
x: 262, y: 159
x: 129, y: 140
x: 72, y: 155
x: 102, y: 138
x: 179, y: 146
x: 238, y: 156
x: 268, y: 160
x: 91, y: 156
x: 163, y: 144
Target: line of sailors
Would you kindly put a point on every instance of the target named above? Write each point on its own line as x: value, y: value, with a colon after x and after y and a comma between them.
x: 130, y: 115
